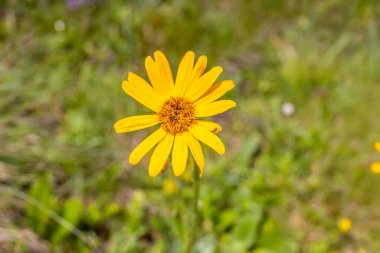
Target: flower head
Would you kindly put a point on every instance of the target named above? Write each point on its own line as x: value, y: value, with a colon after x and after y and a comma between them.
x: 170, y: 187
x: 376, y: 146
x: 375, y: 166
x: 177, y: 106
x: 344, y: 225
x: 287, y: 109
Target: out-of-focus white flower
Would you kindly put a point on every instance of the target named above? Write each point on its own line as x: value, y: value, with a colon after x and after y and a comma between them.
x: 287, y: 109
x: 59, y: 25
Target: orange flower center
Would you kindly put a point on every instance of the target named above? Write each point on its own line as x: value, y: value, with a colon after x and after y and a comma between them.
x: 176, y: 115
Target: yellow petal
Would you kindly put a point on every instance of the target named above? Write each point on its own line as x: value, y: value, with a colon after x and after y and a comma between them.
x: 206, y: 110
x: 196, y: 151
x: 184, y: 73
x: 198, y: 69
x: 179, y: 155
x: 210, y: 126
x: 134, y: 123
x: 140, y: 151
x: 200, y: 86
x: 207, y: 138
x: 375, y: 167
x: 164, y: 71
x: 376, y: 145
x: 215, y: 92
x: 154, y: 76
x: 160, y: 155
x: 142, y: 92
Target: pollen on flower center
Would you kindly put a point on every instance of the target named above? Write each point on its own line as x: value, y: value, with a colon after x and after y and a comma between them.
x: 176, y: 115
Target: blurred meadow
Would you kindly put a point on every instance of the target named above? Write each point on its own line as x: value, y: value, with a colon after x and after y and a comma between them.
x: 298, y: 146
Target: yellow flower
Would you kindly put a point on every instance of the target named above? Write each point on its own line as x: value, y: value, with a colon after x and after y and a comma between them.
x: 376, y: 145
x: 177, y: 107
x: 170, y: 187
x: 344, y: 225
x: 375, y: 167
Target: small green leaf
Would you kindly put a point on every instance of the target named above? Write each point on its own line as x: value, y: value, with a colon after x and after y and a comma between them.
x: 41, y: 191
x: 72, y: 212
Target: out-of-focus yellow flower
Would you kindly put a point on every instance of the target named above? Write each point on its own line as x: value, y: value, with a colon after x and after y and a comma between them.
x: 178, y: 106
x: 344, y: 225
x: 376, y: 145
x: 375, y: 167
x: 170, y: 187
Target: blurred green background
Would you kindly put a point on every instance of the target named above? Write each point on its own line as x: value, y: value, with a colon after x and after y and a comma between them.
x: 299, y: 144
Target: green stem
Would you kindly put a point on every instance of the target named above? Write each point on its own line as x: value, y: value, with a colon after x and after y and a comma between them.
x: 194, y: 224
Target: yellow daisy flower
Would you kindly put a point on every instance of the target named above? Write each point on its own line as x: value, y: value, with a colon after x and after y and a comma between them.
x: 344, y: 225
x: 375, y: 166
x: 170, y: 187
x: 177, y: 107
x: 376, y: 146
